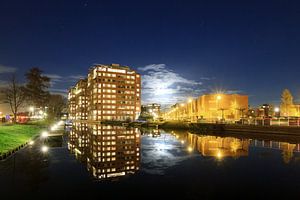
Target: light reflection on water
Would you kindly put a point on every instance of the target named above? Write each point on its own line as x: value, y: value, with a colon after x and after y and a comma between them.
x: 107, y: 151
x: 115, y: 151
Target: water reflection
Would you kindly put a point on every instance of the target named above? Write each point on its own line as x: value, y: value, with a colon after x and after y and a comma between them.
x: 218, y: 147
x: 108, y: 151
x: 114, y: 151
x: 221, y: 147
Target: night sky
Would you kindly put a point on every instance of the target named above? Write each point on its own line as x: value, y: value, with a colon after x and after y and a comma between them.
x: 182, y: 48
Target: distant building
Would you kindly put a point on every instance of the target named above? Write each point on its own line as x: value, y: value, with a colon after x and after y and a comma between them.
x: 210, y: 107
x: 265, y: 110
x: 152, y: 110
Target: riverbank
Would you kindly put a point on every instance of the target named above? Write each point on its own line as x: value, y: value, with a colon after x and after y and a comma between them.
x: 232, y: 128
x: 15, y: 136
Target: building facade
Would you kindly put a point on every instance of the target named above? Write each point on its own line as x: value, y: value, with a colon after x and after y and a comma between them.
x: 151, y: 111
x: 72, y: 104
x: 210, y: 107
x: 81, y: 100
x: 110, y: 92
x: 114, y: 93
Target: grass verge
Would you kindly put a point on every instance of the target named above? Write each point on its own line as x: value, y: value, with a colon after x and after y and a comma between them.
x: 12, y: 136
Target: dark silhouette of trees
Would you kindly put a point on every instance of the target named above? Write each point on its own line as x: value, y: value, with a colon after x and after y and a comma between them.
x: 36, y: 87
x: 56, y: 104
x: 14, y: 95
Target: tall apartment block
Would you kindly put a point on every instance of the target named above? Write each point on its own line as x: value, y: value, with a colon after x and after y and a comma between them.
x: 72, y: 104
x: 81, y: 100
x: 110, y: 92
x: 114, y: 93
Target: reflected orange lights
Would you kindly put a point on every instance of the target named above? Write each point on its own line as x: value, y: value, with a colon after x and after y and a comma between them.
x: 219, y: 155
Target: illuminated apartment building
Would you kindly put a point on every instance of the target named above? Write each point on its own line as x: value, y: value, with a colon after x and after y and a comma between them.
x: 81, y: 100
x: 114, y: 93
x: 210, y: 107
x: 72, y: 104
x: 114, y: 151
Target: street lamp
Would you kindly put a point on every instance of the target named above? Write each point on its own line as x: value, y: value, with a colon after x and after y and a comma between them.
x: 190, y: 108
x: 276, y: 110
x: 218, y: 99
x: 31, y: 109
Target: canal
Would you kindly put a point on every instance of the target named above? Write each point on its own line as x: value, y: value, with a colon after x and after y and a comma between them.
x: 131, y: 163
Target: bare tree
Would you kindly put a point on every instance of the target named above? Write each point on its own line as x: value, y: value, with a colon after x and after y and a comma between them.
x: 15, y: 96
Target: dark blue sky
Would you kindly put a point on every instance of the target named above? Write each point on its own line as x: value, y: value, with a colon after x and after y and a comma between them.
x: 247, y: 46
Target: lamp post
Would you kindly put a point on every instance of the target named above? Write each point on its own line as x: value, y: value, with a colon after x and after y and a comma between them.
x: 218, y: 99
x: 276, y: 110
x: 190, y: 105
x: 31, y: 109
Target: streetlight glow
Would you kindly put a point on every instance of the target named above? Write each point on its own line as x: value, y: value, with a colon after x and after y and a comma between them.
x: 219, y: 155
x: 44, y: 134
x: 45, y: 149
x: 53, y: 128
x: 31, y: 108
x: 276, y: 109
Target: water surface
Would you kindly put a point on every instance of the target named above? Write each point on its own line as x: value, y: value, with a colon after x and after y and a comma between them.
x: 120, y: 162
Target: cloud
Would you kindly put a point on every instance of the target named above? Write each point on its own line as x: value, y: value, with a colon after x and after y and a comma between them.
x: 3, y: 84
x: 161, y: 153
x: 62, y: 83
x: 7, y: 69
x: 63, y: 92
x: 55, y: 78
x: 162, y: 85
x: 77, y: 77
x: 233, y: 91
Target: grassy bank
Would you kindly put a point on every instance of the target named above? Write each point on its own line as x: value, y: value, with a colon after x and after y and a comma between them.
x: 12, y: 136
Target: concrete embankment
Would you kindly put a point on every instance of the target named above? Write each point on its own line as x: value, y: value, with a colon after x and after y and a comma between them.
x: 233, y: 128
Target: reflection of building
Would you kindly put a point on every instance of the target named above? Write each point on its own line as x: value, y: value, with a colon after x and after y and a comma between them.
x: 78, y: 140
x: 153, y: 132
x: 212, y: 107
x: 287, y: 149
x: 115, y: 93
x: 219, y: 146
x: 113, y: 151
